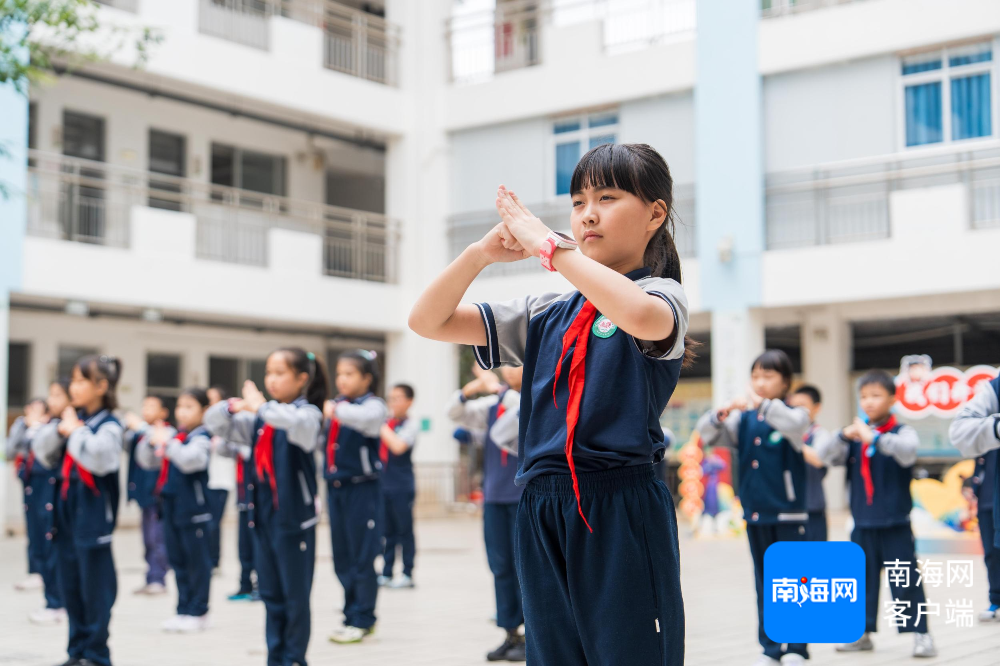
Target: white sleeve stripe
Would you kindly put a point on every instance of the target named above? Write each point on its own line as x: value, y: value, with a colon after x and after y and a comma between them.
x: 492, y: 343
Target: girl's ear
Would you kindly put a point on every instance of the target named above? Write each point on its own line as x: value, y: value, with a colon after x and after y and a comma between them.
x: 102, y: 386
x: 659, y: 215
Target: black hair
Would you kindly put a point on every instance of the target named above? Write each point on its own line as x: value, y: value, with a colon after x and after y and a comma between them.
x: 638, y: 169
x: 221, y: 390
x: 879, y: 377
x: 63, y: 383
x: 810, y: 391
x: 302, y: 361
x: 158, y: 398
x: 364, y: 360
x: 406, y: 389
x: 777, y: 360
x: 199, y: 394
x: 95, y: 367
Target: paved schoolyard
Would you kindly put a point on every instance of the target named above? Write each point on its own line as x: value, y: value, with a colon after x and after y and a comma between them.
x: 446, y: 620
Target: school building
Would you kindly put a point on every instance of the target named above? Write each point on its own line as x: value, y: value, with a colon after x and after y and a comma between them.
x: 295, y: 171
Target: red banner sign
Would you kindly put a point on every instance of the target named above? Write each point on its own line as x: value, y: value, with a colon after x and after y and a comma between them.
x: 939, y: 392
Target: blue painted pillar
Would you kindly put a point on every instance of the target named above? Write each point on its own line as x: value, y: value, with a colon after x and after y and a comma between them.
x: 729, y: 186
x: 13, y: 217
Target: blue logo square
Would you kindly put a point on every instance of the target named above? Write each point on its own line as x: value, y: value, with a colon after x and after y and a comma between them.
x: 814, y: 592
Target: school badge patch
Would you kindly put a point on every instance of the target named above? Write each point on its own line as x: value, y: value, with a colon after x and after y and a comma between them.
x: 603, y: 328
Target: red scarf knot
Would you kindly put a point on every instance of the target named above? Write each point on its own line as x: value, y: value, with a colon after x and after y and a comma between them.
x: 161, y: 480
x: 85, y: 476
x: 331, y: 443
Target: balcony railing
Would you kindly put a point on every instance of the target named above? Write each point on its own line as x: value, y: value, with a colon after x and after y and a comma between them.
x: 850, y: 202
x: 91, y: 202
x: 354, y: 42
x: 467, y: 228
x: 772, y: 8
x: 486, y: 42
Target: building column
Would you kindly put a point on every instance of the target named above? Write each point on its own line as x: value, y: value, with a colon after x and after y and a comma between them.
x: 729, y: 187
x: 826, y: 363
x: 416, y: 195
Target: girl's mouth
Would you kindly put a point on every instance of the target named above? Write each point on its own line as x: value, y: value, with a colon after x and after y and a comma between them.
x: 591, y: 235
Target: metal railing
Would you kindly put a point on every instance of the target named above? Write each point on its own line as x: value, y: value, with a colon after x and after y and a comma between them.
x: 124, y: 5
x: 241, y: 21
x: 485, y: 43
x: 91, y: 202
x: 354, y: 42
x: 850, y: 201
x: 772, y: 8
x: 465, y: 229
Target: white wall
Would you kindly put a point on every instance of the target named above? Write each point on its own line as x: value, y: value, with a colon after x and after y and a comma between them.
x: 666, y: 122
x: 931, y: 250
x: 832, y: 113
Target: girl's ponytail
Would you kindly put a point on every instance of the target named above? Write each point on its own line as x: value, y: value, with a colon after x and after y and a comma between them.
x: 302, y: 361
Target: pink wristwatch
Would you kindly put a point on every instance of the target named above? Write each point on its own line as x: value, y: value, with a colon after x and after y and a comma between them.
x: 553, y: 241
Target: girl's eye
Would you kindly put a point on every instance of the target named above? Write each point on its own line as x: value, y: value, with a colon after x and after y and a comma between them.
x: 606, y: 196
x: 577, y: 203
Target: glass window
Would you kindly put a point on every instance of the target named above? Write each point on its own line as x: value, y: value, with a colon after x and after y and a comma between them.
x: 923, y: 114
x: 566, y: 126
x: 567, y: 155
x: 603, y: 120
x: 922, y: 63
x: 83, y: 136
x: 970, y: 107
x: 601, y: 140
x: 18, y: 380
x: 574, y: 136
x: 969, y: 55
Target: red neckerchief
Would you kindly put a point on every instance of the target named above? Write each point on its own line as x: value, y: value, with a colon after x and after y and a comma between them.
x: 331, y: 443
x: 85, y: 476
x: 241, y: 491
x: 161, y: 480
x: 578, y: 332
x: 866, y: 465
x: 24, y: 464
x: 383, y: 449
x: 264, y: 459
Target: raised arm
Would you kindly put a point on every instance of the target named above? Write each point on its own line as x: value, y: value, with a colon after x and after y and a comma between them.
x: 976, y: 429
x: 17, y: 438
x: 191, y: 456
x: 791, y: 422
x: 399, y: 442
x: 48, y: 444
x: 716, y: 432
x: 301, y: 423
x: 901, y: 445
x: 98, y: 452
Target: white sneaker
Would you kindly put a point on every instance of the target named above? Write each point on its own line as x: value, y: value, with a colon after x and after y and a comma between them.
x: 171, y: 625
x: 383, y: 581
x: 152, y: 589
x: 764, y: 660
x: 793, y: 659
x: 401, y: 581
x: 47, y: 615
x: 990, y: 615
x: 923, y: 646
x: 188, y: 624
x: 348, y: 634
x: 32, y: 582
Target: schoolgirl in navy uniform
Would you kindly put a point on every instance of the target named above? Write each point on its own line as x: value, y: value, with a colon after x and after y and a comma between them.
x: 354, y: 493
x: 497, y: 416
x: 399, y: 487
x: 243, y: 474
x: 86, y: 447
x: 284, y: 433
x: 976, y: 433
x: 40, y: 488
x: 181, y: 456
x: 769, y: 438
x: 879, y: 454
x: 597, y: 553
x: 141, y: 486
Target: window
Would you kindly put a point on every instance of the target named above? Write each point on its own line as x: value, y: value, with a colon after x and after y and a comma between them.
x: 83, y: 136
x: 82, y: 210
x: 32, y: 129
x: 574, y: 136
x: 68, y: 356
x: 166, y: 156
x: 163, y: 378
x: 230, y: 373
x: 947, y: 94
x: 17, y: 374
x: 248, y: 170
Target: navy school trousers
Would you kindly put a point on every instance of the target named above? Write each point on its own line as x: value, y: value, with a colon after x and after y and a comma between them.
x: 991, y: 554
x: 605, y: 598
x: 88, y: 584
x: 356, y: 536
x: 189, y: 553
x: 888, y: 544
x: 399, y: 531
x: 499, y: 522
x: 285, y: 561
x: 760, y: 537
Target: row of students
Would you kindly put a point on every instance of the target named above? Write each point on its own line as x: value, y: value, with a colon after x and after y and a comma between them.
x: 39, y: 492
x: 496, y: 414
x: 781, y: 452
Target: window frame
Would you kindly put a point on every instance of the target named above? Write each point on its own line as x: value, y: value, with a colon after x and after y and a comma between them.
x: 583, y: 135
x: 945, y: 75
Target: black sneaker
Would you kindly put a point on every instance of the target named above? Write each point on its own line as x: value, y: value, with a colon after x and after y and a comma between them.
x: 512, y: 649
